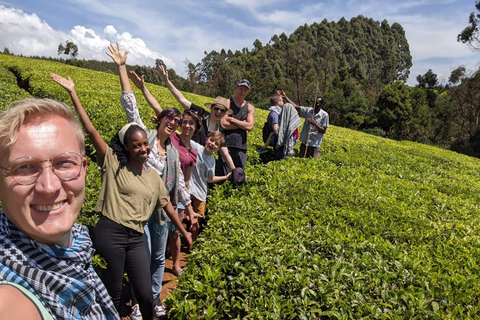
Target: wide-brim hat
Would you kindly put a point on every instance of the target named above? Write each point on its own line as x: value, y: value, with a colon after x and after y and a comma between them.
x: 220, y: 101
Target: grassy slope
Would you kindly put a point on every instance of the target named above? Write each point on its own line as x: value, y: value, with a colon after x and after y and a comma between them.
x: 374, y: 228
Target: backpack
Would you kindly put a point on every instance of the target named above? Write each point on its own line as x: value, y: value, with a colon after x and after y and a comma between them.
x: 266, y: 131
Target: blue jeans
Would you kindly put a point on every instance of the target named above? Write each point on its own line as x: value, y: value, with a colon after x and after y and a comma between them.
x: 155, y: 237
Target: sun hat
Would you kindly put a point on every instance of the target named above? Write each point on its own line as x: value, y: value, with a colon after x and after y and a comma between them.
x: 220, y: 101
x: 244, y: 82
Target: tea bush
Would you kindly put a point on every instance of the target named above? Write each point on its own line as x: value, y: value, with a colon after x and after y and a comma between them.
x: 373, y: 229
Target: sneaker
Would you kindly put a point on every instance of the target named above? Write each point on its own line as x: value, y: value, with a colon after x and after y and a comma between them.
x: 178, y: 272
x: 160, y: 311
x: 262, y: 151
x: 136, y: 314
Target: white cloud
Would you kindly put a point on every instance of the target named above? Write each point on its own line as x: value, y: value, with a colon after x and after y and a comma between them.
x: 28, y: 35
x: 252, y: 5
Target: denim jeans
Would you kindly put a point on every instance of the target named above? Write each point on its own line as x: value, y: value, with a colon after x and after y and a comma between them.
x: 155, y: 237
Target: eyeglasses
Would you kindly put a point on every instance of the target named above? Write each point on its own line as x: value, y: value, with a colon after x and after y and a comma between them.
x: 219, y: 109
x: 25, y: 171
x: 169, y: 118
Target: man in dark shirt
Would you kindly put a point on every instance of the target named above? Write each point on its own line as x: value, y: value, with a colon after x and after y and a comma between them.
x: 236, y: 126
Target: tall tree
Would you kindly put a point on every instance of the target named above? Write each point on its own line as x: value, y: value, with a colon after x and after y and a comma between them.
x: 471, y: 34
x: 394, y: 109
x: 70, y: 48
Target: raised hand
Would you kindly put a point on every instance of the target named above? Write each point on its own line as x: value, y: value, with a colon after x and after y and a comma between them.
x: 281, y: 93
x: 163, y: 74
x: 116, y: 54
x: 139, y: 82
x: 67, y: 84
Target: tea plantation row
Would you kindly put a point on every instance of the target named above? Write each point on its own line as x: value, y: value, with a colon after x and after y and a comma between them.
x: 374, y: 229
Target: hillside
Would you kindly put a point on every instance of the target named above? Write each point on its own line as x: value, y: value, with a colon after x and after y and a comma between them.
x: 375, y: 228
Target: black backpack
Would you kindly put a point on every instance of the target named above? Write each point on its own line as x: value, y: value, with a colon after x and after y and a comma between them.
x: 266, y: 131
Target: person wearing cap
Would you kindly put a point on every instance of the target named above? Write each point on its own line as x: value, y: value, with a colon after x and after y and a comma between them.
x: 219, y: 108
x: 129, y: 194
x: 315, y: 126
x: 235, y: 127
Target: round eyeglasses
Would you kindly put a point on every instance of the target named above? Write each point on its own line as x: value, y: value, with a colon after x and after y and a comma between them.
x: 25, y: 171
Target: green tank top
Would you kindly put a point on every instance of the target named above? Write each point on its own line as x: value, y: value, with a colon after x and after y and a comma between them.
x: 44, y: 314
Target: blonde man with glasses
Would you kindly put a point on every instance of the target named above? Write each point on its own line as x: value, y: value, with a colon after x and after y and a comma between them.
x: 45, y: 270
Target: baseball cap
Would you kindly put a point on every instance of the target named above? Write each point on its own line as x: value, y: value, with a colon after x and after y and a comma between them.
x: 244, y: 82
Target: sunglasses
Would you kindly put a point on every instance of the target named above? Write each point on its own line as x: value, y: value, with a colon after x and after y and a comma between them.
x: 169, y: 118
x: 219, y: 109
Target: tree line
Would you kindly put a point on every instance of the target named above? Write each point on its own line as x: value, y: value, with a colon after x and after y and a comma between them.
x: 359, y: 66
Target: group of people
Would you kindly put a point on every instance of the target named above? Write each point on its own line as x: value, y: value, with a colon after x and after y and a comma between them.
x: 152, y: 181
x: 281, y: 128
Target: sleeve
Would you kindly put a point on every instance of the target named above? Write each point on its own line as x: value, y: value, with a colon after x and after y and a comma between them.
x: 109, y: 160
x: 326, y: 121
x: 304, y: 112
x: 163, y: 197
x: 183, y: 192
x: 129, y: 103
x: 199, y: 110
x: 273, y: 118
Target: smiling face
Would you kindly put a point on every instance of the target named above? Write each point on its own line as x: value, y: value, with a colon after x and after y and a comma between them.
x: 218, y: 112
x: 46, y: 209
x: 211, y: 145
x: 138, y: 148
x: 168, y: 124
x: 189, y: 126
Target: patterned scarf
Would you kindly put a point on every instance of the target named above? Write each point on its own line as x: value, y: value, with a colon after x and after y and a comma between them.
x: 171, y: 173
x: 62, y: 278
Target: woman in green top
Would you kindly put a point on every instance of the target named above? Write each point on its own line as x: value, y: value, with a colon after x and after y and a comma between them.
x: 128, y: 196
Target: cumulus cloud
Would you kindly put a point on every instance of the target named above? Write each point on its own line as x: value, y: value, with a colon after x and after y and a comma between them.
x: 28, y: 35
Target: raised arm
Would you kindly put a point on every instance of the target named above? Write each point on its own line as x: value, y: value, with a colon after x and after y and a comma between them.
x: 284, y: 96
x: 97, y: 140
x: 176, y: 93
x: 139, y: 82
x: 120, y: 60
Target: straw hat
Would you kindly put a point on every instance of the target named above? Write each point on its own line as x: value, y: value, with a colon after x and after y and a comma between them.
x: 221, y: 102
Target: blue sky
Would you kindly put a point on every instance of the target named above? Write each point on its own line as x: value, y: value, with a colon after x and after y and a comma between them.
x: 184, y: 29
